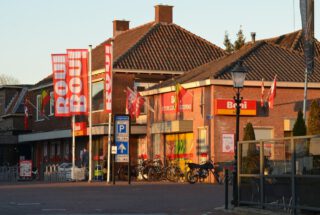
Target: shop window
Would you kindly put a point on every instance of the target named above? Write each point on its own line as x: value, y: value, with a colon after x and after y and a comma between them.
x: 51, y: 103
x: 97, y: 95
x: 39, y: 115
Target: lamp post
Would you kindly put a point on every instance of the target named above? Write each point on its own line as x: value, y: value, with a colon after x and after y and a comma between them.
x: 238, y: 74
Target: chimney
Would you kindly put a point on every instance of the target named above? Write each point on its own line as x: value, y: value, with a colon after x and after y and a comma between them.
x: 119, y: 26
x: 163, y: 14
x: 253, y: 37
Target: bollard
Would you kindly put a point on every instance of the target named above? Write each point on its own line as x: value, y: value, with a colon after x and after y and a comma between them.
x: 226, y: 184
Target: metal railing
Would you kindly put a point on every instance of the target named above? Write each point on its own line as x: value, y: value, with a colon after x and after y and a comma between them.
x: 9, y: 173
x: 282, y: 174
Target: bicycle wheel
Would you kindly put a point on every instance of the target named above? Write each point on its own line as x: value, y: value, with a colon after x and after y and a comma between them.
x: 192, y: 177
x: 145, y: 172
x: 152, y: 174
x: 169, y: 174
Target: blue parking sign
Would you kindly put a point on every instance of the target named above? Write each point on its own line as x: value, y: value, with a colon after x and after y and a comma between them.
x: 122, y: 128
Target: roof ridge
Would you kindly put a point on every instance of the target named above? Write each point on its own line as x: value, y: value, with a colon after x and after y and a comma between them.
x: 254, y: 46
x: 296, y: 40
x: 285, y: 48
x: 127, y: 52
x: 204, y: 40
x: 124, y: 32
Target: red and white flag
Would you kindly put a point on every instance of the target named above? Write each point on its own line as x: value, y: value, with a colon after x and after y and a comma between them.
x: 130, y: 106
x: 60, y: 86
x: 77, y: 81
x: 134, y: 102
x: 262, y: 93
x: 272, y: 93
x: 108, y: 78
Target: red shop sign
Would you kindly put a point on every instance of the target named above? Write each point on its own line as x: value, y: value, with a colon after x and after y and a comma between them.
x: 168, y: 99
x: 228, y: 107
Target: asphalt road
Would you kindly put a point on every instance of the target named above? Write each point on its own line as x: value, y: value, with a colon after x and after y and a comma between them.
x: 100, y: 198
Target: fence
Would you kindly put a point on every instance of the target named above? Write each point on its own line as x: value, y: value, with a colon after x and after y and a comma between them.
x: 9, y: 173
x: 280, y: 173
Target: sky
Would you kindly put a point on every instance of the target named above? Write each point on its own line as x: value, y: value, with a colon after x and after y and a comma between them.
x: 30, y: 31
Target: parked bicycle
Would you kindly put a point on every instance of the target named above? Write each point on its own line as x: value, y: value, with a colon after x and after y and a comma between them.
x: 156, y: 171
x: 199, y: 172
x: 173, y: 172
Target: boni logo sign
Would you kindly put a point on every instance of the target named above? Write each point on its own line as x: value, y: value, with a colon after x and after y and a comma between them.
x: 121, y: 135
x: 228, y: 107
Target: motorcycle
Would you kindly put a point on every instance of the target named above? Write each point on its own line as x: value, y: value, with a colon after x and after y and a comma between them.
x: 199, y: 172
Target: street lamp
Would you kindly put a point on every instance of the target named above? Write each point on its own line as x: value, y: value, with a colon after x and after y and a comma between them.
x: 238, y: 74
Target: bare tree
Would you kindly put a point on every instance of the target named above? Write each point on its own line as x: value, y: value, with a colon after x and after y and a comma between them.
x: 7, y: 79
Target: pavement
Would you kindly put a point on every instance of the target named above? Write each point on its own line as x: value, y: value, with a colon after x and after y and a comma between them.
x: 101, y: 198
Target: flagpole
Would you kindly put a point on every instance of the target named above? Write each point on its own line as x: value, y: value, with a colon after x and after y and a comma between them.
x: 73, y: 148
x: 305, y: 95
x: 90, y: 114
x: 110, y: 115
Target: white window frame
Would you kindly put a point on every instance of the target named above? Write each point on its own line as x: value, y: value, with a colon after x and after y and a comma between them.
x: 38, y: 110
x: 51, y: 103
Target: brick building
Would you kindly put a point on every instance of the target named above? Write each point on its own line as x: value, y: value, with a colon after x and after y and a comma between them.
x: 204, y: 127
x: 143, y: 56
x: 12, y: 124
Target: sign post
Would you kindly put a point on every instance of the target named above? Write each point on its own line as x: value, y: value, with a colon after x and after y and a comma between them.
x: 121, y: 140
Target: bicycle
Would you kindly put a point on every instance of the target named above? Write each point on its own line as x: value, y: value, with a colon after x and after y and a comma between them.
x: 173, y: 172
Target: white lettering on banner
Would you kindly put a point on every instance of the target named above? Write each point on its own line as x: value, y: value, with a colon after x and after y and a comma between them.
x: 60, y: 88
x: 77, y: 81
x: 62, y: 106
x: 108, y: 79
x: 60, y: 85
x: 78, y: 103
x: 75, y: 85
x: 231, y: 105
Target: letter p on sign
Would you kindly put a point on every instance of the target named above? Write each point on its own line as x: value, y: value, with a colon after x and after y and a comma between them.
x: 122, y: 128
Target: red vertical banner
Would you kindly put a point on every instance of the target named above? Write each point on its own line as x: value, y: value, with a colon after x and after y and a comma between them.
x: 59, y: 68
x: 108, y: 78
x: 77, y: 81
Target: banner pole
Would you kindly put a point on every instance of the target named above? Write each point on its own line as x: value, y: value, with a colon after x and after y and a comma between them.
x: 90, y: 114
x: 305, y: 95
x: 110, y: 115
x: 73, y: 148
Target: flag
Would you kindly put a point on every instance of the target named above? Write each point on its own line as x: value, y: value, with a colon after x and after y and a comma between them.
x: 77, y: 81
x: 26, y: 115
x: 59, y: 70
x: 272, y: 93
x: 307, y: 21
x: 45, y: 100
x: 134, y: 102
x: 262, y: 92
x: 130, y: 106
x: 180, y: 91
x: 139, y: 102
x: 108, y: 78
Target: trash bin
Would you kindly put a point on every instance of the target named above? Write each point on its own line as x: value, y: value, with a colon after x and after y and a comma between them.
x: 98, y: 173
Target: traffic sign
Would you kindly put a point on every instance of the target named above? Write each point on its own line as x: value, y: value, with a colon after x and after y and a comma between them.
x: 122, y: 130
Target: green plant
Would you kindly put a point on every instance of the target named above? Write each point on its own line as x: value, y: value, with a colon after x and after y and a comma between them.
x: 299, y: 128
x: 314, y: 119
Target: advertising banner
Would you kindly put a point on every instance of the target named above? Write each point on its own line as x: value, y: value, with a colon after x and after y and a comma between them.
x: 59, y: 68
x: 228, y: 107
x: 108, y: 79
x: 228, y: 143
x: 25, y: 168
x: 168, y: 103
x: 77, y: 81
